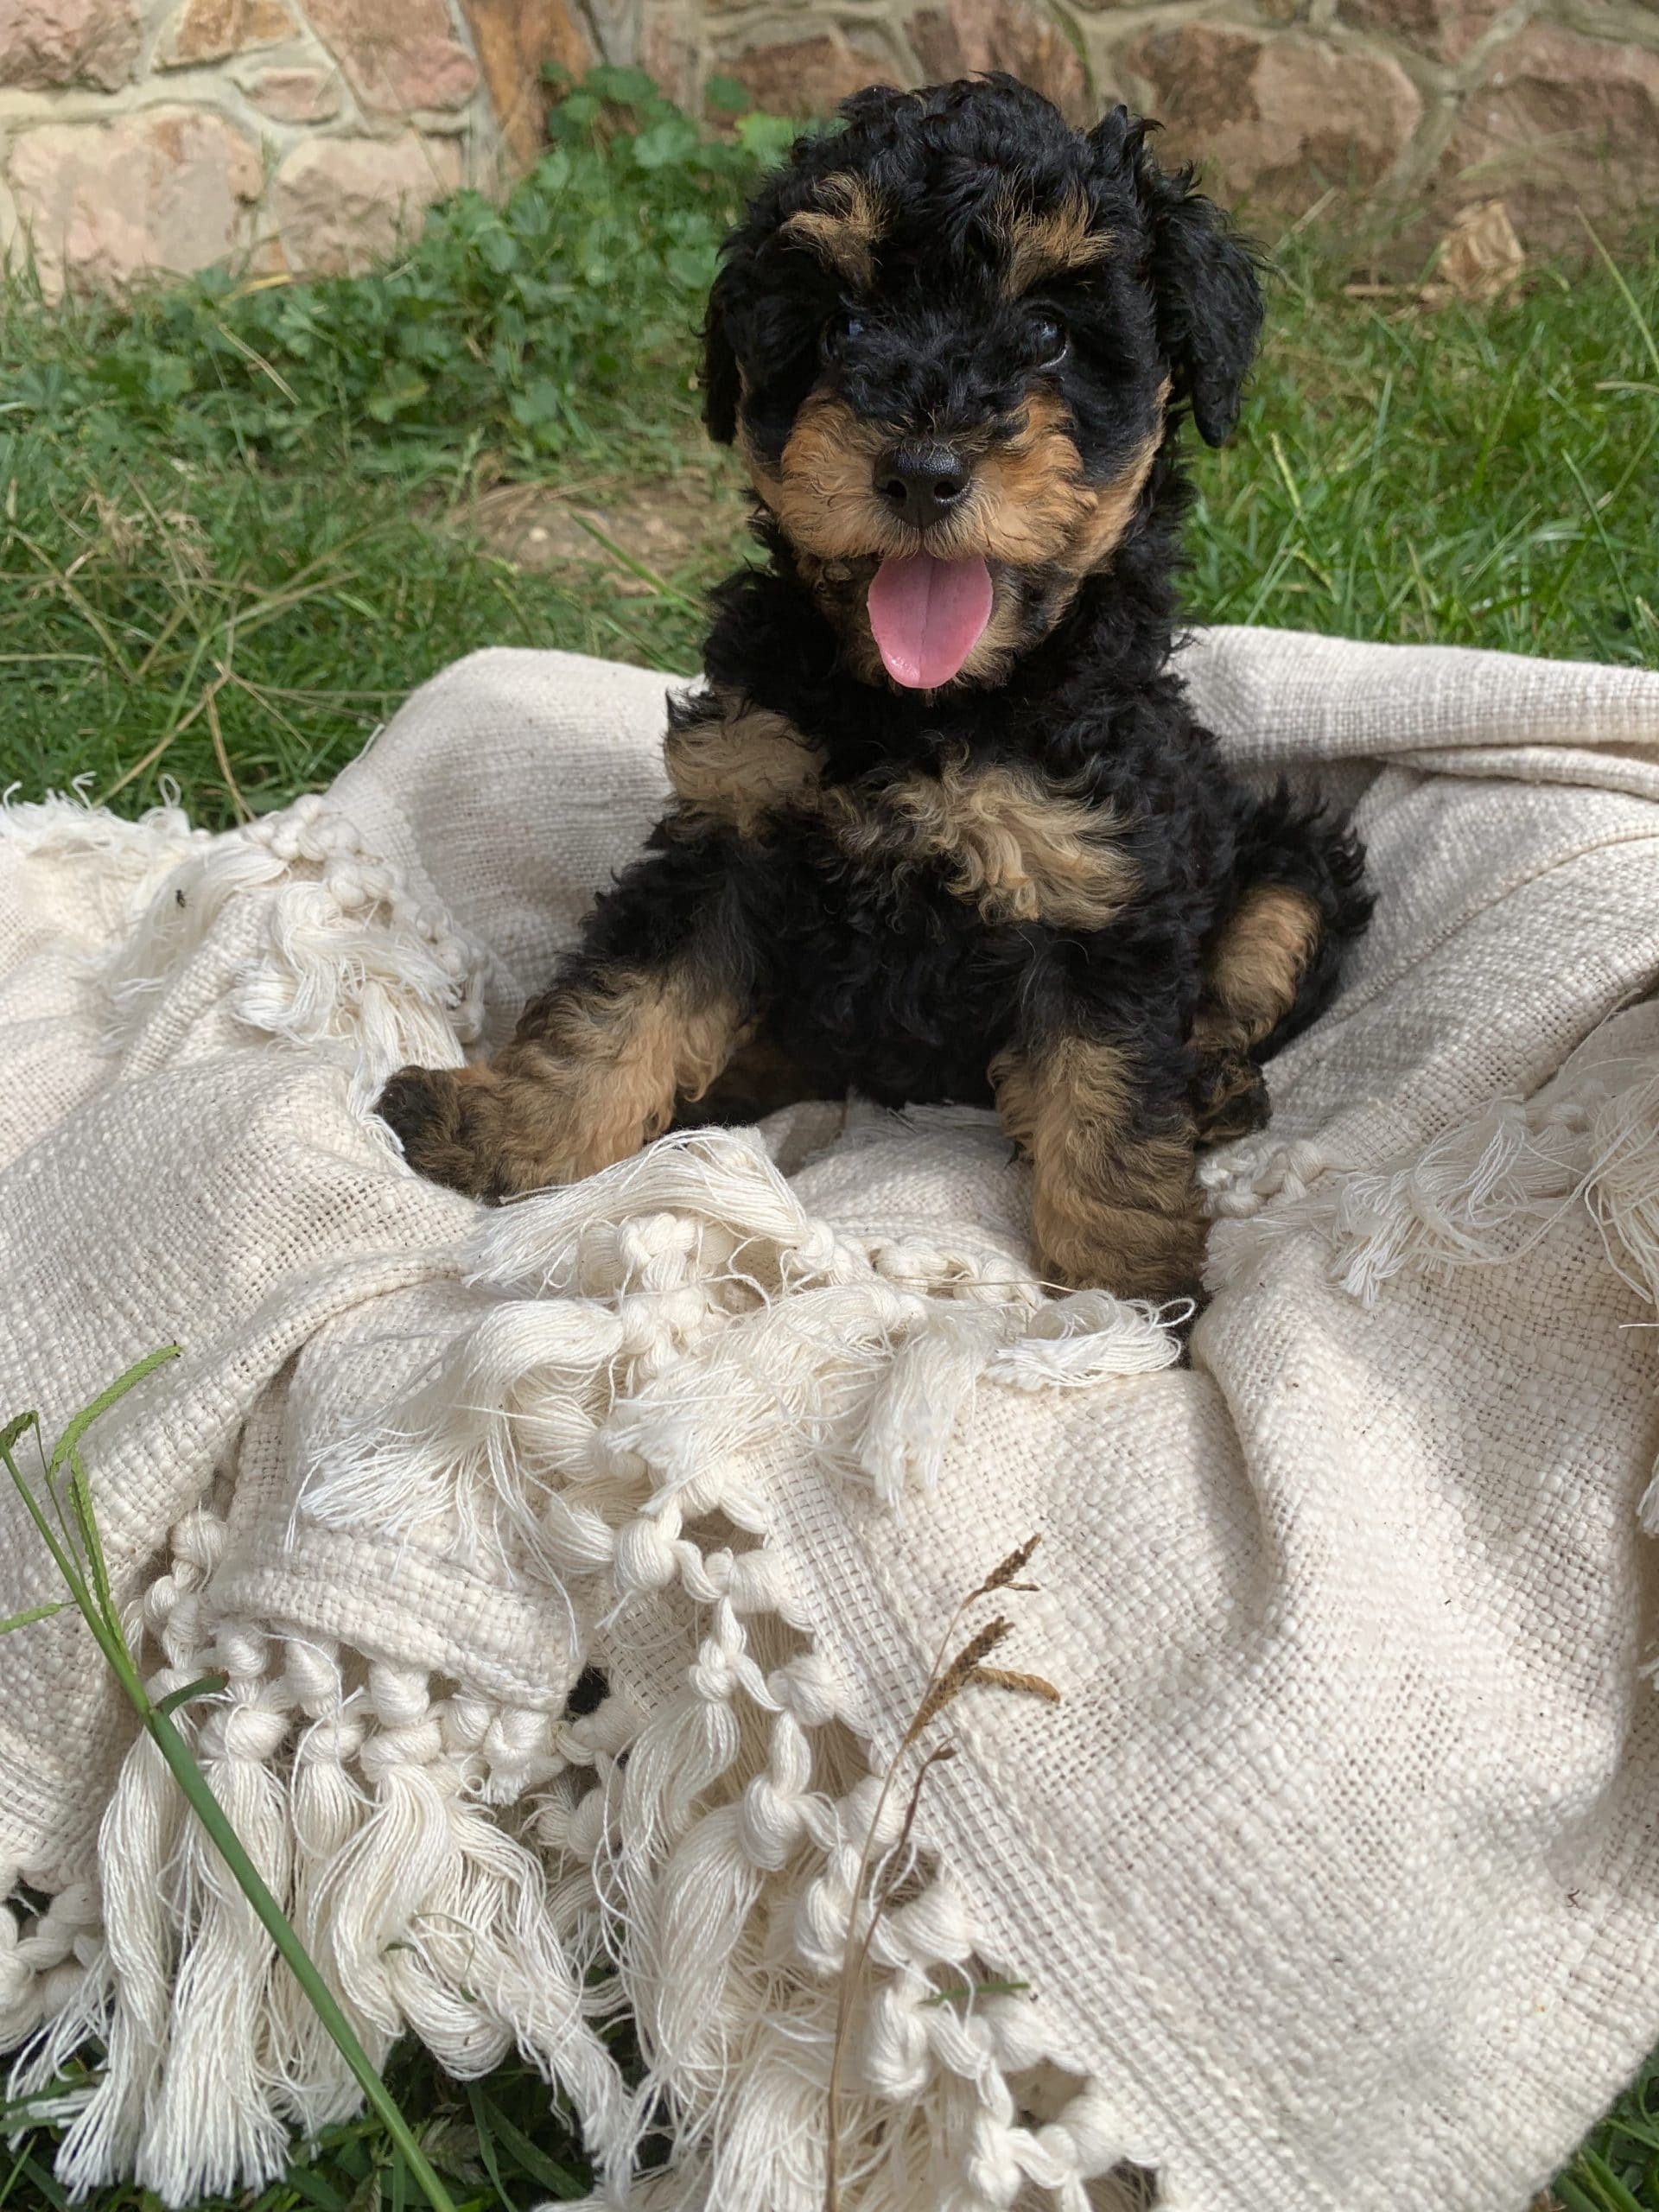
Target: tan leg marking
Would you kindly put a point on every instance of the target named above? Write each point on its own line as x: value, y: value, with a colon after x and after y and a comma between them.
x: 1016, y: 848
x: 1110, y: 1208
x: 739, y: 767
x: 758, y: 1080
x: 590, y: 1077
x: 1251, y: 978
x: 1256, y: 965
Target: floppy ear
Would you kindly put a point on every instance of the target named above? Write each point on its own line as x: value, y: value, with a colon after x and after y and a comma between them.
x: 721, y: 387
x: 736, y: 294
x: 1206, y: 295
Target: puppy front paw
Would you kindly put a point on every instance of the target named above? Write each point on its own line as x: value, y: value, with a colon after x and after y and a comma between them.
x: 1229, y: 1098
x: 517, y: 1123
x: 1133, y: 1251
x: 440, y: 1117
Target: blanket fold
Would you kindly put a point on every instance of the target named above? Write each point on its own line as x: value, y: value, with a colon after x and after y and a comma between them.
x: 1279, y: 1832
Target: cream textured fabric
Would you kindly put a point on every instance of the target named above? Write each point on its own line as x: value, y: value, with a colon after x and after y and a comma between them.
x: 1331, y: 1884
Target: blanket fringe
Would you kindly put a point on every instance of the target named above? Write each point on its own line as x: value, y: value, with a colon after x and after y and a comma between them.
x: 343, y: 954
x: 700, y: 1314
x: 377, y: 1807
x: 1485, y: 1192
x: 738, y: 1319
x: 457, y: 1868
x: 116, y: 865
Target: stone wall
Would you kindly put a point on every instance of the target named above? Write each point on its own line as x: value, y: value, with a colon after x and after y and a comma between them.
x: 301, y: 135
x: 1411, y: 108
x: 305, y: 135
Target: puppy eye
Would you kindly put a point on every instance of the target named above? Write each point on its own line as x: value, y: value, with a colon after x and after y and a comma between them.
x: 1049, y: 341
x: 843, y: 327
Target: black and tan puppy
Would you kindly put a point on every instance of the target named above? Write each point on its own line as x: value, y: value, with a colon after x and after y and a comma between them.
x: 944, y: 827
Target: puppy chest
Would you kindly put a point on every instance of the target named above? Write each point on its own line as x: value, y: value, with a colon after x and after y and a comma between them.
x: 903, y: 997
x: 1001, y: 840
x: 892, y: 968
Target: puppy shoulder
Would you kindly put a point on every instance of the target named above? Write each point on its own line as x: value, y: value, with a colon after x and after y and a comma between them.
x: 734, y: 763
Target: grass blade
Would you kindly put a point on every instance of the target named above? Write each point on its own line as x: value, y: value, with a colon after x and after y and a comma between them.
x: 34, y: 1613
x: 97, y: 1606
x: 635, y: 567
x: 535, y: 2163
x: 487, y: 2145
x: 204, y: 1686
x: 100, y: 1405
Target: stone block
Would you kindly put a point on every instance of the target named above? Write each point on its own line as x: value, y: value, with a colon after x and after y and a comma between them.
x: 1444, y: 29
x: 1276, y: 120
x: 295, y: 95
x: 1558, y: 124
x: 340, y: 204
x: 212, y: 30
x: 48, y: 44
x: 513, y: 39
x: 808, y: 76
x: 668, y: 52
x: 966, y: 36
x: 398, y: 58
x: 167, y: 190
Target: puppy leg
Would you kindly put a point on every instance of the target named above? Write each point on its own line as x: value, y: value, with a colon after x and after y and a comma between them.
x: 1106, y: 1126
x: 1253, y: 969
x: 645, y: 1015
x: 1272, y: 963
x: 759, y: 1079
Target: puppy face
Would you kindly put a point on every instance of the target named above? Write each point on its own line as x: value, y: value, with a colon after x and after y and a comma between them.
x: 950, y: 340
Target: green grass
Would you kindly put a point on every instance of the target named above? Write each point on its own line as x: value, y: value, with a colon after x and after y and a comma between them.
x: 1480, y: 477
x: 500, y: 2145
x: 161, y: 617
x: 1618, y: 2169
x: 240, y: 522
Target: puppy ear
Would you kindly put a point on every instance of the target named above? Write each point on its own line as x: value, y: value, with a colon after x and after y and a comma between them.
x: 722, y: 389
x: 1209, y: 300
x: 1206, y: 294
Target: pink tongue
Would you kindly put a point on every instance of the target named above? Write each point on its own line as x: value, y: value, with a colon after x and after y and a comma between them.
x: 927, y: 616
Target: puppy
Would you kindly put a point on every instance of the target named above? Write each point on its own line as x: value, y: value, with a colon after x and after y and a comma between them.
x: 942, y: 825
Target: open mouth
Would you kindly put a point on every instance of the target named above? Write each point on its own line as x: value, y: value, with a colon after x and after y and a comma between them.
x: 926, y: 616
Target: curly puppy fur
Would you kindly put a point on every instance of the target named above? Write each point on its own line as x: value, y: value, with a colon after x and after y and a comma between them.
x: 1033, y: 884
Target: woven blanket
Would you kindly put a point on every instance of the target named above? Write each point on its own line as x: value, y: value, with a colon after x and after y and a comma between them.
x: 1281, y: 1835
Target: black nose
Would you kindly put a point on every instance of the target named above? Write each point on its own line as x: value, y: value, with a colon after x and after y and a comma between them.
x: 921, y: 482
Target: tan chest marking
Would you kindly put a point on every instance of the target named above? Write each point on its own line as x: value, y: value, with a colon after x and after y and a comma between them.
x: 738, y: 767
x: 1014, y: 847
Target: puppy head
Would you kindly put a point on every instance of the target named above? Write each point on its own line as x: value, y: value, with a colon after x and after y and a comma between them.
x: 948, y: 341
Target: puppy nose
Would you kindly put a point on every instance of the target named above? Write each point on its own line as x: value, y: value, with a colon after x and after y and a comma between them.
x: 921, y: 482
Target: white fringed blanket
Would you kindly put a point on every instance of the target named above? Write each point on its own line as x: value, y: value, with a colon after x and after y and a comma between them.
x: 1331, y: 1884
